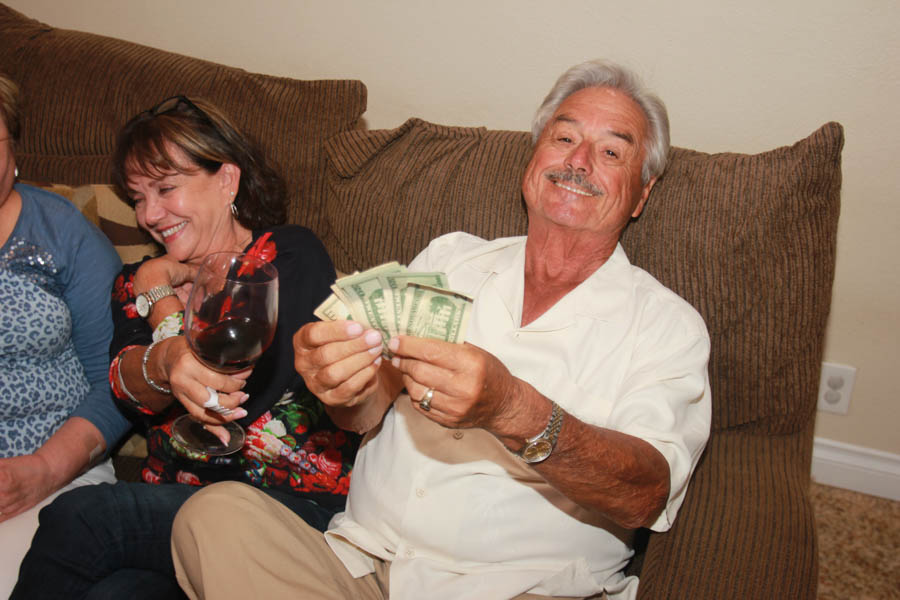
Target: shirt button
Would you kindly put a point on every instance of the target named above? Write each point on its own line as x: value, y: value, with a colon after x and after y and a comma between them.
x: 458, y: 435
x: 410, y: 553
x: 420, y: 493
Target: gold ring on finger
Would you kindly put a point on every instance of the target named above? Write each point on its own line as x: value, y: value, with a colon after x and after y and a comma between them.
x: 425, y: 402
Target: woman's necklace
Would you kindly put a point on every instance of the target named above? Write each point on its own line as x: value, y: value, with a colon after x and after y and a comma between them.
x: 246, y: 243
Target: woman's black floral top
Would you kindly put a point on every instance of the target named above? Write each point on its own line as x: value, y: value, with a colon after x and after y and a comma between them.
x: 291, y: 442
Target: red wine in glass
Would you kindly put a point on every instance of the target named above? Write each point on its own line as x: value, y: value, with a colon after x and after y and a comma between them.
x: 233, y: 344
x: 229, y: 321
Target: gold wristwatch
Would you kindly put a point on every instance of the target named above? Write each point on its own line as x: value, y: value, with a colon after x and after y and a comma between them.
x: 541, y: 446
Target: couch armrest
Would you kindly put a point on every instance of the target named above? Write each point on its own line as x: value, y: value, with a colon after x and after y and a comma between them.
x: 746, y: 529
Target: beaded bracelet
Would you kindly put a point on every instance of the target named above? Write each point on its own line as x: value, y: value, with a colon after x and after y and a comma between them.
x: 150, y: 382
x: 171, y: 326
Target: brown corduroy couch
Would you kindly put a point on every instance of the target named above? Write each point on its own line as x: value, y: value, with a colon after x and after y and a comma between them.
x: 749, y: 240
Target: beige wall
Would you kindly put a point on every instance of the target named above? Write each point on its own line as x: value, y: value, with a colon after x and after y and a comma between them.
x: 736, y: 76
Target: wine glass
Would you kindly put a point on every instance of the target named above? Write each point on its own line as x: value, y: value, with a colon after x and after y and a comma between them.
x: 229, y: 321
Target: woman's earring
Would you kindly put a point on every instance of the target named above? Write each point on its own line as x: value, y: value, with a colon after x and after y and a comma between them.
x: 16, y: 173
x: 233, y: 209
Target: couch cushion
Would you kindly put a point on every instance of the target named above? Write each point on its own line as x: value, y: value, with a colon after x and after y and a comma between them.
x: 115, y: 218
x: 78, y: 89
x: 398, y: 189
x: 749, y: 240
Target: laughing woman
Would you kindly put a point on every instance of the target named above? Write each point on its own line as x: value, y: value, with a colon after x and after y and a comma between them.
x: 199, y: 187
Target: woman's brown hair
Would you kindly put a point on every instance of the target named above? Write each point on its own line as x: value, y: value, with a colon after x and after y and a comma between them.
x: 209, y: 139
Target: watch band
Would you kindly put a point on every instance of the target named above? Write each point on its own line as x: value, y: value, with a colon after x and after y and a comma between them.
x: 155, y: 294
x: 145, y: 301
x: 541, y: 446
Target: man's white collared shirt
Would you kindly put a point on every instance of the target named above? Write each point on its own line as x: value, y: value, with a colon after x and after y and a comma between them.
x: 454, y: 512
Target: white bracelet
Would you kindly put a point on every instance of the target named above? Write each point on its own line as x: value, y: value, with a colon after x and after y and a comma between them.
x: 122, y: 384
x: 169, y: 327
x: 150, y: 382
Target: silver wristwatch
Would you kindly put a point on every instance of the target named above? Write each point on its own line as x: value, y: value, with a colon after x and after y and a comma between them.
x: 541, y: 446
x: 145, y: 301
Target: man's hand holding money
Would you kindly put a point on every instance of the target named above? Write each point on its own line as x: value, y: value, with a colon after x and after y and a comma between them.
x: 394, y: 301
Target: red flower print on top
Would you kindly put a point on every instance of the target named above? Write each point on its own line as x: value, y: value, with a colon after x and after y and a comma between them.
x: 131, y: 311
x: 329, y: 461
x: 149, y: 476
x: 120, y: 290
x: 187, y: 478
x: 226, y: 305
x: 322, y: 439
x: 263, y: 249
x: 123, y: 291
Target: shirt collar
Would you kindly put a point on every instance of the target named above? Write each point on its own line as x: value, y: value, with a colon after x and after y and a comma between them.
x: 505, y: 270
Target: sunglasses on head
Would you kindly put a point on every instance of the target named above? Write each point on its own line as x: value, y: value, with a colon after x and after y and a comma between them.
x: 172, y: 103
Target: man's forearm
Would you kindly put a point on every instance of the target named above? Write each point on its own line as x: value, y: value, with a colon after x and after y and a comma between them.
x: 618, y: 475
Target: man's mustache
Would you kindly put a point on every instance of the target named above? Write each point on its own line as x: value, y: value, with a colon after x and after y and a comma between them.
x: 570, y: 176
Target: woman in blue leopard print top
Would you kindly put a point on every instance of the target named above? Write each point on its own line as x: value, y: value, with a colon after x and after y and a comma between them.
x: 56, y: 413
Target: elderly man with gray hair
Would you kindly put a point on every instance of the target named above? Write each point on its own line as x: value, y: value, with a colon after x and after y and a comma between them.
x: 517, y: 464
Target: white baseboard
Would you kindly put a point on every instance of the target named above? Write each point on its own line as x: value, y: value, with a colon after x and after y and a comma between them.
x: 856, y: 468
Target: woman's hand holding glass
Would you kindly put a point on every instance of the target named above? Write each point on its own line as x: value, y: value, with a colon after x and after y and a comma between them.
x: 230, y: 320
x: 189, y: 379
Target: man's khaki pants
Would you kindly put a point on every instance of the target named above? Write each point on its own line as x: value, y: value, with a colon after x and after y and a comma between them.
x: 232, y: 541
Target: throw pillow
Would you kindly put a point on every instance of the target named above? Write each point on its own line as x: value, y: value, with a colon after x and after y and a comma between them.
x: 750, y: 241
x: 406, y: 186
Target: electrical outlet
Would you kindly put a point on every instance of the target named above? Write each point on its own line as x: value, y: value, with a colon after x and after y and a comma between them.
x: 835, y: 387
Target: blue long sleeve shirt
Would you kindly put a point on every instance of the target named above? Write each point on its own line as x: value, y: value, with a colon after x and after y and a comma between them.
x: 56, y: 273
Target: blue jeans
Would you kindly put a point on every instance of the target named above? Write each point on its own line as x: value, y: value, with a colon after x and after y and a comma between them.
x: 105, y: 542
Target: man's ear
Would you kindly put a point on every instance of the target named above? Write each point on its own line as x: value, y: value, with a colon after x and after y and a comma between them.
x: 645, y: 193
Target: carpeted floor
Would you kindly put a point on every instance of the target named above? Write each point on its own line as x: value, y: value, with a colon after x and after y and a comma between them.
x: 859, y: 545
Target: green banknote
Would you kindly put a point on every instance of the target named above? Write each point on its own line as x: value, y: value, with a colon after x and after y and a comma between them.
x: 397, y: 282
x: 368, y: 302
x: 394, y: 301
x: 431, y: 312
x: 333, y: 309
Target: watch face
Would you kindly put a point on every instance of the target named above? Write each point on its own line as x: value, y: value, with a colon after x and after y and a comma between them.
x: 142, y: 305
x: 537, y: 451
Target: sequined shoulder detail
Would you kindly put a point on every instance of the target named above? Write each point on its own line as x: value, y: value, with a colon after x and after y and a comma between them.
x: 32, y: 263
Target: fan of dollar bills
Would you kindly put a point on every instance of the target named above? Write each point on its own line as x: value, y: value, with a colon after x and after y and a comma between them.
x: 396, y: 301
